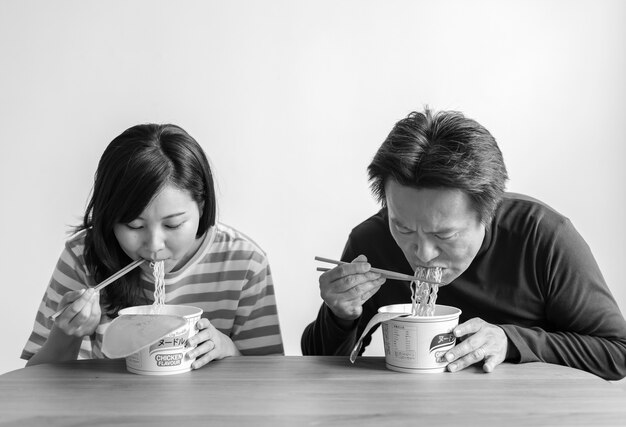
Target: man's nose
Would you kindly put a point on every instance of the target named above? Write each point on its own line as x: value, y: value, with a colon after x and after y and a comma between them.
x: 425, y: 251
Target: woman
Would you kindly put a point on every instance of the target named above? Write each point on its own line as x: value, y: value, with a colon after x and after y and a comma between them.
x: 154, y: 199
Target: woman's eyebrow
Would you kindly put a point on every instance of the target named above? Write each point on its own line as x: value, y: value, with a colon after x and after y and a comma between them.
x: 167, y: 216
x: 174, y: 215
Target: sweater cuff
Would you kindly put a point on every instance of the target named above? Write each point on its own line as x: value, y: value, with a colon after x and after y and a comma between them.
x: 517, y: 349
x: 342, y: 324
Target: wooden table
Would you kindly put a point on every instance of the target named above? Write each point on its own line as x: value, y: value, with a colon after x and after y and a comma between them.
x: 294, y: 391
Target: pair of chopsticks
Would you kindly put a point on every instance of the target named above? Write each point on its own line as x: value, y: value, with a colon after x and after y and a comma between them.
x: 106, y: 282
x: 386, y: 273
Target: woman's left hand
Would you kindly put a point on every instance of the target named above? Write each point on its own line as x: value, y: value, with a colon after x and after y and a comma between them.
x: 210, y: 344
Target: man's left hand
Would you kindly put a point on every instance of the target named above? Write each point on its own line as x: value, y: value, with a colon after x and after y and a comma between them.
x: 483, y: 342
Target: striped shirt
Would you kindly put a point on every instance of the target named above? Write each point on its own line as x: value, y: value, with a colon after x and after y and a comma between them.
x: 229, y: 278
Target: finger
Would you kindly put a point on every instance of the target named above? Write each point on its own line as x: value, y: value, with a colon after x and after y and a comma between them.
x: 80, y: 322
x: 87, y: 318
x: 347, y: 283
x: 468, y: 360
x: 206, y: 358
x: 78, y: 304
x: 95, y: 304
x: 368, y: 292
x: 466, y: 347
x: 349, y: 304
x: 358, y: 266
x: 357, y: 292
x: 206, y: 331
x: 203, y: 324
x: 70, y: 297
x: 201, y: 349
x: 490, y: 363
x: 470, y: 327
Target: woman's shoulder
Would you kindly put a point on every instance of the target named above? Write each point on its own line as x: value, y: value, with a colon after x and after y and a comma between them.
x: 75, y: 244
x: 229, y: 239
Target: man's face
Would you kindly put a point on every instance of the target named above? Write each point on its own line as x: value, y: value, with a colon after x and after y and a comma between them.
x: 434, y: 227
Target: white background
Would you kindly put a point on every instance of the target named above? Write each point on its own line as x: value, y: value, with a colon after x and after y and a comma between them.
x: 290, y: 100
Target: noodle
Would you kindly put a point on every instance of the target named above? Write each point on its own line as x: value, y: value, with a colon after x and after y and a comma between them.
x: 424, y: 290
x: 158, y: 272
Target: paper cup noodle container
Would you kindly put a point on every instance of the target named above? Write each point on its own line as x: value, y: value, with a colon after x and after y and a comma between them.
x: 167, y: 355
x: 416, y: 344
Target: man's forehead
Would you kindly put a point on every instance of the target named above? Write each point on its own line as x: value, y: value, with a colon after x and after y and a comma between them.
x: 434, y: 207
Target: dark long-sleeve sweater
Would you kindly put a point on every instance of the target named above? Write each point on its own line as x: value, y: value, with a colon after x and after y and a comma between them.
x: 534, y: 276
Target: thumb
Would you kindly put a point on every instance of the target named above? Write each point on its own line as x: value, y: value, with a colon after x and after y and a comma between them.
x: 360, y: 258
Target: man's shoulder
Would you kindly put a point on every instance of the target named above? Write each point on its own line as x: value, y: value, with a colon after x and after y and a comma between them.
x: 520, y: 211
x: 374, y: 225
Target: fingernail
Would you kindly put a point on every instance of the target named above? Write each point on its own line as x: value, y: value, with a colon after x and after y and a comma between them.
x: 449, y: 357
x: 452, y: 367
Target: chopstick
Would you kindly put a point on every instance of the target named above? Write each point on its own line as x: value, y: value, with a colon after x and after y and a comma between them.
x: 386, y: 273
x: 106, y: 282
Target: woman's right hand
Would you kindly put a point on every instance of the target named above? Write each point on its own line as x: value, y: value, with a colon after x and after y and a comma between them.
x: 82, y: 315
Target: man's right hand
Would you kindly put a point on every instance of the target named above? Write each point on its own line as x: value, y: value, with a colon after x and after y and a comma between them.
x: 346, y: 287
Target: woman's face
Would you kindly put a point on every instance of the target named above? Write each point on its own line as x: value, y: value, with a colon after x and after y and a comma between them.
x: 164, y: 231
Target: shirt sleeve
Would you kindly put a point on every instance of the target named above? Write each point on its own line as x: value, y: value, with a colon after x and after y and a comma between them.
x: 69, y: 275
x: 256, y: 329
x: 587, y: 330
x: 324, y: 336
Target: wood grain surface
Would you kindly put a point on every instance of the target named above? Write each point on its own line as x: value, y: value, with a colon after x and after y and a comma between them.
x: 298, y: 390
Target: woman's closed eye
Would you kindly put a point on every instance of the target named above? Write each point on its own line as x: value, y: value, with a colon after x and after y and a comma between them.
x: 174, y: 226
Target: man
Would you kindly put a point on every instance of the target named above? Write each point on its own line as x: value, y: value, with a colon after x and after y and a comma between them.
x: 525, y: 280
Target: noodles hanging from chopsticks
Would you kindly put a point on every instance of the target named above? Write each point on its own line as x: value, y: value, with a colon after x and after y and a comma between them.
x: 158, y: 272
x: 424, y: 289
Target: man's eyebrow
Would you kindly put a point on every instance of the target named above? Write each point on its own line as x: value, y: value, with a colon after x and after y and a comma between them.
x: 444, y: 230
x: 399, y: 224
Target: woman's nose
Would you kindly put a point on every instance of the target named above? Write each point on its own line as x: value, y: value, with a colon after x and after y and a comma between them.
x: 154, y: 242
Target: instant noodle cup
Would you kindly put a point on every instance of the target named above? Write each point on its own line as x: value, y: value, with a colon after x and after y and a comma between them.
x: 168, y: 354
x: 416, y: 344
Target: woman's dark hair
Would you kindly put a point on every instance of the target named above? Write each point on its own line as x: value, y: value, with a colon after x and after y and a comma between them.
x: 442, y: 150
x: 132, y: 170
